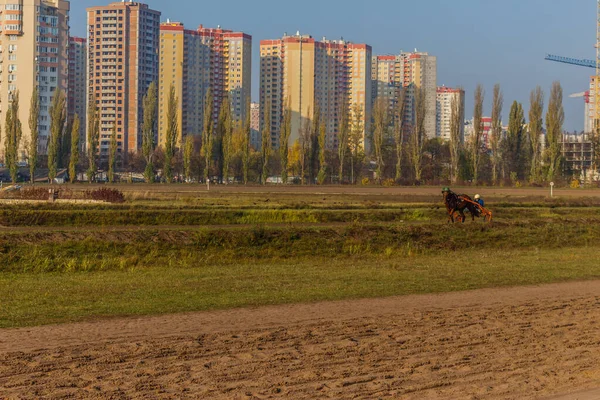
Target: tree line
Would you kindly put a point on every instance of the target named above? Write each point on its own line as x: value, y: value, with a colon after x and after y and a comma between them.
x: 524, y: 152
x: 399, y: 149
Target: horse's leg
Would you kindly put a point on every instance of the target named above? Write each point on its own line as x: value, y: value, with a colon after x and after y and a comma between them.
x: 451, y: 216
x: 462, y: 216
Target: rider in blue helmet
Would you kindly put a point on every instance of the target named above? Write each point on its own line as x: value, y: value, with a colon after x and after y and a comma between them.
x: 479, y: 200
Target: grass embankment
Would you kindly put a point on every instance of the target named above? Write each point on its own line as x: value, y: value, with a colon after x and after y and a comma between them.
x: 34, y: 299
x: 84, y: 216
x: 123, y: 249
x: 61, y: 263
x: 52, y: 277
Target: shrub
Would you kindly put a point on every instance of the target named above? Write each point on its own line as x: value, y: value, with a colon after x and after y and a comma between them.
x: 105, y: 194
x: 321, y: 176
x: 389, y: 183
x: 575, y: 184
x: 365, y: 181
x: 33, y: 194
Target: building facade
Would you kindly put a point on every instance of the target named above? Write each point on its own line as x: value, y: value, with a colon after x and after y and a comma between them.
x: 303, y: 74
x: 123, y: 48
x: 404, y: 74
x: 446, y: 97
x: 192, y: 61
x: 592, y: 105
x: 76, y: 95
x: 34, y: 44
x: 386, y: 80
x: 486, y: 131
x: 255, y: 140
x: 577, y: 151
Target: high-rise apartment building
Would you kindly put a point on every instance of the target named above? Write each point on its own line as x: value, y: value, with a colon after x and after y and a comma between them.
x: 409, y: 72
x: 445, y: 98
x: 192, y: 61
x: 301, y: 73
x: 34, y: 40
x: 386, y: 80
x: 123, y: 45
x: 486, y: 131
x: 76, y: 96
x: 255, y: 141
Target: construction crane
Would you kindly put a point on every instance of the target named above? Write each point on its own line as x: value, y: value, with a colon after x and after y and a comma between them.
x: 577, y: 95
x: 583, y: 62
x: 592, y: 97
x: 594, y: 93
x: 572, y: 61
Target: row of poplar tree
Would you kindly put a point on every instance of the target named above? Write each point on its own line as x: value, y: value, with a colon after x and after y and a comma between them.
x: 397, y: 151
x: 60, y: 142
x: 521, y: 152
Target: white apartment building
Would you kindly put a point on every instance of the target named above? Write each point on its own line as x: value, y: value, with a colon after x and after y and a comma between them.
x: 445, y: 98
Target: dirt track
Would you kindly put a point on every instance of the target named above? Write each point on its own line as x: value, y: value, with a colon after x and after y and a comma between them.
x: 520, y: 343
x: 347, y: 190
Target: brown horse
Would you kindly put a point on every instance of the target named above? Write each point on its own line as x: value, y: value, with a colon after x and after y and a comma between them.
x: 457, y: 203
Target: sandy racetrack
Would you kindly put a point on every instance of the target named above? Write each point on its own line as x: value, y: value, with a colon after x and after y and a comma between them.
x: 519, y: 343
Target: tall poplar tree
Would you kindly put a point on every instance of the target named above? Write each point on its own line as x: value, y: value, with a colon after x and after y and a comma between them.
x: 496, y: 134
x: 58, y: 116
x: 246, y: 144
x: 476, y: 138
x: 93, y: 137
x: 343, y: 136
x: 284, y: 141
x: 34, y: 118
x: 13, y: 133
x: 207, y: 133
x: 150, y: 110
x: 536, y: 121
x: 457, y: 121
x: 515, y: 140
x: 226, y: 138
x: 399, y: 111
x: 380, y: 130
x: 356, y: 139
x: 305, y: 143
x: 322, y: 175
x: 417, y: 139
x: 74, y: 159
x: 188, y: 151
x: 171, y: 135
x: 265, y: 143
x: 555, y: 118
x: 112, y: 154
x: 313, y: 154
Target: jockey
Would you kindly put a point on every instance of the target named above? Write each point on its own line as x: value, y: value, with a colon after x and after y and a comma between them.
x: 479, y: 200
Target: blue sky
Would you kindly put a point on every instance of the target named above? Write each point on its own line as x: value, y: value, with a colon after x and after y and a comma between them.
x: 476, y: 41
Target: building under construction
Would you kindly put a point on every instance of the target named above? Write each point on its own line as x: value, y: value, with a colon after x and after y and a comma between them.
x: 578, y: 149
x: 578, y: 155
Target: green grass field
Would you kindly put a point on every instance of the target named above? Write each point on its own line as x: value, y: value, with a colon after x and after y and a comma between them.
x: 62, y: 263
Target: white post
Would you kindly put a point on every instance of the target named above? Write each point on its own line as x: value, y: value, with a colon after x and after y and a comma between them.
x: 551, y: 189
